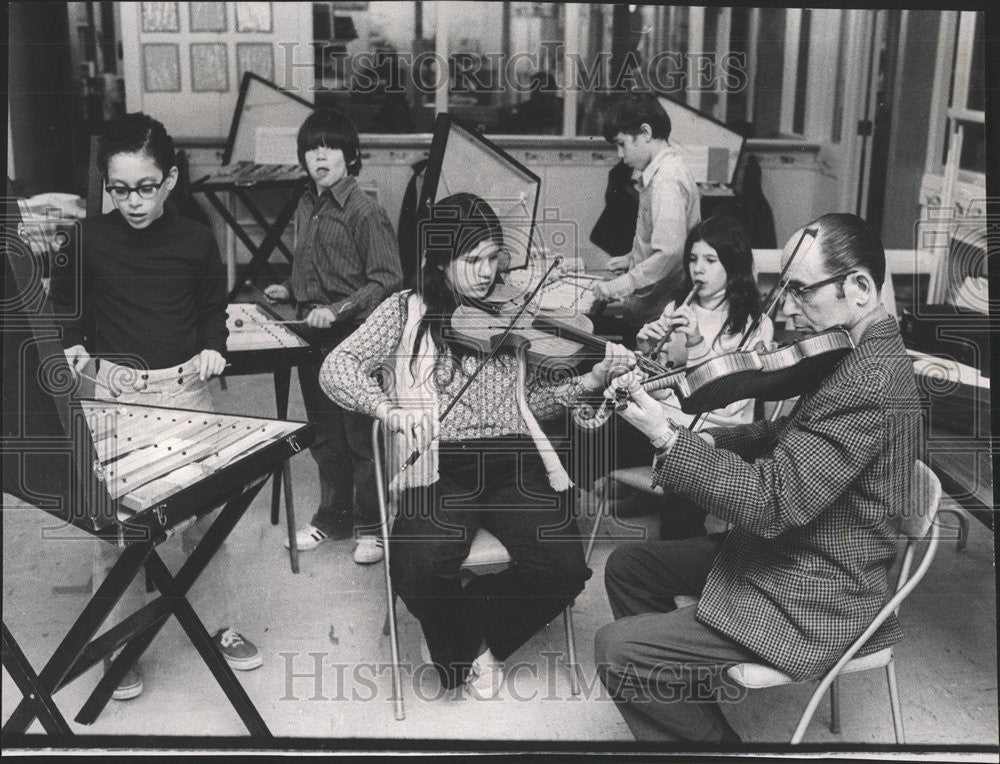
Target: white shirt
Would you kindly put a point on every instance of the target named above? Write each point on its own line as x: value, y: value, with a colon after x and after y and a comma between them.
x: 669, y: 207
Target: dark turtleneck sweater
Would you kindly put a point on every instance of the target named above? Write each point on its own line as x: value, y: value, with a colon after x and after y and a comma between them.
x: 151, y: 297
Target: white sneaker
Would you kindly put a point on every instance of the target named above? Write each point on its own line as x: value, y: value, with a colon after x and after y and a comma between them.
x: 368, y: 550
x: 485, y: 677
x: 308, y: 538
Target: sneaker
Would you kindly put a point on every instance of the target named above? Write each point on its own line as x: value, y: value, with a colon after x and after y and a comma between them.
x: 369, y: 550
x: 241, y: 654
x: 130, y: 686
x: 308, y: 538
x: 485, y: 677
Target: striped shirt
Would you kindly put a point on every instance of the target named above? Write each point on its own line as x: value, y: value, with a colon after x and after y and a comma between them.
x: 345, y: 249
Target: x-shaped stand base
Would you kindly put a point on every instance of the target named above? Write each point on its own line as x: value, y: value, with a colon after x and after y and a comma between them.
x: 259, y: 254
x: 79, y: 651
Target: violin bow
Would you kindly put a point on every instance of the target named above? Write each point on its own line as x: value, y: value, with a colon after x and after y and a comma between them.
x: 779, y: 286
x: 497, y: 346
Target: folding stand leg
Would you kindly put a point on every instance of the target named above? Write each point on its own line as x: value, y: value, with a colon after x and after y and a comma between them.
x: 202, y: 641
x: 293, y: 549
x: 125, y: 569
x: 282, y: 384
x: 282, y: 387
x: 259, y: 254
x: 173, y: 590
x: 27, y: 682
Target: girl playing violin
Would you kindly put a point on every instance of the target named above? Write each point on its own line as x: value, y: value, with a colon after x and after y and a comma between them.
x: 719, y: 274
x: 722, y: 302
x: 478, y: 467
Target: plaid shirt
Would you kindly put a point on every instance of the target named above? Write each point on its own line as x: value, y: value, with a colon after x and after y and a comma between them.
x: 346, y: 248
x: 813, y: 498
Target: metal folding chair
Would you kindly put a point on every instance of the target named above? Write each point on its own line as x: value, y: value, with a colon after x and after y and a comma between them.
x: 915, y: 524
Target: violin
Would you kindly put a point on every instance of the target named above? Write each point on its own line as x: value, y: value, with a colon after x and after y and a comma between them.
x: 769, y: 374
x: 774, y: 374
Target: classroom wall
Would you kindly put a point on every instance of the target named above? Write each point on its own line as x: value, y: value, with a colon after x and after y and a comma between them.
x: 160, y: 66
x: 796, y: 181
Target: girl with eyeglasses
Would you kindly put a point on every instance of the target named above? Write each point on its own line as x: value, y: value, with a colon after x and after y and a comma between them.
x: 143, y: 291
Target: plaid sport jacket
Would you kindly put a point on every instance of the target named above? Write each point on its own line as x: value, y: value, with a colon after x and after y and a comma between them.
x: 814, y: 499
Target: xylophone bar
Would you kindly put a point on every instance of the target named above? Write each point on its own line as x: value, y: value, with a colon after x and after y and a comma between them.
x: 146, y: 454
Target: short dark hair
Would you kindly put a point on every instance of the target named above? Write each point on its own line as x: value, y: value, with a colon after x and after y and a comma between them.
x: 846, y: 243
x: 133, y: 134
x: 629, y: 112
x: 333, y: 129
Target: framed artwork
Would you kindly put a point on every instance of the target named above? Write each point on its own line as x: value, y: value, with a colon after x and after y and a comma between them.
x: 161, y: 67
x: 209, y: 67
x: 160, y: 17
x: 255, y: 57
x: 208, y: 17
x: 253, y: 17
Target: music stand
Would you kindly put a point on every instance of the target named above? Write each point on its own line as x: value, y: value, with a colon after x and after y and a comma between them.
x: 269, y: 104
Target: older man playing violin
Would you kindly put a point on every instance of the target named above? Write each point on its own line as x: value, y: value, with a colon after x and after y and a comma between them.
x: 811, y: 498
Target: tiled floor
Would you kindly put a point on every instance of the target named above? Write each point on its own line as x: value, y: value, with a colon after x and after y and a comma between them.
x: 326, y: 672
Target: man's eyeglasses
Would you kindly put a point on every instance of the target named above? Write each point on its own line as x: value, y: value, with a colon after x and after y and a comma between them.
x: 798, y: 293
x: 145, y: 191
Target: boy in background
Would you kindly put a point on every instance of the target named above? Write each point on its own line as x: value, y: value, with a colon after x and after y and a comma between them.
x: 669, y: 207
x: 345, y: 263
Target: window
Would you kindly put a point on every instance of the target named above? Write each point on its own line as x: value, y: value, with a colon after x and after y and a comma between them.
x: 967, y: 95
x: 376, y: 62
x: 385, y: 63
x: 505, y: 65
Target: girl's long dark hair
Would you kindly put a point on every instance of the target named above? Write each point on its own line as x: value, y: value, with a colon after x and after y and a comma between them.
x: 454, y: 226
x: 727, y: 237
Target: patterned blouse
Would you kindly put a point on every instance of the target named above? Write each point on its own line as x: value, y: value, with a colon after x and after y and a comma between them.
x: 488, y: 409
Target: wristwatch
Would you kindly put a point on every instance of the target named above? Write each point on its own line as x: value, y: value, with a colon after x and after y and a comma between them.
x: 666, y: 437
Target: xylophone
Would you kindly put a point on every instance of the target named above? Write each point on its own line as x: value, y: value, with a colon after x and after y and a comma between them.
x: 251, y: 174
x: 146, y: 454
x: 260, y: 345
x: 162, y: 469
x: 127, y: 475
